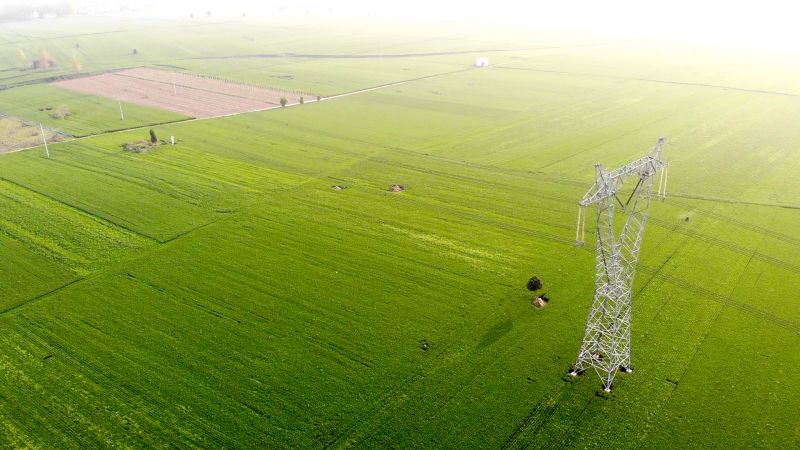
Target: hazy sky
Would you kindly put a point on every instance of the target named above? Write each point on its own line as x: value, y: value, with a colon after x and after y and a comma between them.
x: 763, y: 23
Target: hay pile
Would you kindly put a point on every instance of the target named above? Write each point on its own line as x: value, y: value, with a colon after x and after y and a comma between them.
x: 140, y: 146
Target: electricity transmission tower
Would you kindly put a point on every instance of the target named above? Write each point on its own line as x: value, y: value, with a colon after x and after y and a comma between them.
x: 606, y: 346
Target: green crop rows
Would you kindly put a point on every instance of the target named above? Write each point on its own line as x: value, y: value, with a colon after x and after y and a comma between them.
x: 219, y: 293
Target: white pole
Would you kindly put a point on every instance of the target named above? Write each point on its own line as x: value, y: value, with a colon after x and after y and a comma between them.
x: 46, y: 150
x: 578, y: 226
x: 666, y: 172
x: 172, y: 139
x: 121, y: 114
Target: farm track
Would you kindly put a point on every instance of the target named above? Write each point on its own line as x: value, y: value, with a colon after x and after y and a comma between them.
x: 536, y: 418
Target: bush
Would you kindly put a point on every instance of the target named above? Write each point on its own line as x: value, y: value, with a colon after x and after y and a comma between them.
x: 153, y: 138
x: 301, y: 100
x: 534, y: 284
x: 283, y: 101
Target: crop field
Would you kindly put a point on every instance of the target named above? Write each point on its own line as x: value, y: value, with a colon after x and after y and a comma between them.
x: 220, y: 293
x: 181, y: 93
x: 77, y: 114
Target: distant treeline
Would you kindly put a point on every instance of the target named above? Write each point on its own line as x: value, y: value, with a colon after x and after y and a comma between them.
x: 12, y: 12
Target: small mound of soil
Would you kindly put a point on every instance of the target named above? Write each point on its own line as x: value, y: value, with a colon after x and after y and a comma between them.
x: 337, y: 187
x: 540, y: 301
x: 397, y: 188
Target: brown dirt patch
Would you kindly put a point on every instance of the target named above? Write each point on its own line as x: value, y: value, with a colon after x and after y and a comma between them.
x: 192, y: 95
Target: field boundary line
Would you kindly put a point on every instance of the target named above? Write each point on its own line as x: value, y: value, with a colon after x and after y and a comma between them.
x: 43, y: 294
x: 83, y: 210
x: 653, y: 80
x: 379, y: 55
x: 732, y: 201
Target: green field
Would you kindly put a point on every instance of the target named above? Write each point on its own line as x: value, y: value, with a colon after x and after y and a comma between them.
x: 219, y: 293
x: 88, y: 114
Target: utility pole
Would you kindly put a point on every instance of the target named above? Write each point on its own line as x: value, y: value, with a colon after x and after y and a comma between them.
x: 44, y: 139
x: 121, y: 114
x: 606, y: 346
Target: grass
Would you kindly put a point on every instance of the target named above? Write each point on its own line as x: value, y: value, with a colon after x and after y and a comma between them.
x: 219, y: 293
x: 16, y: 133
x: 88, y: 114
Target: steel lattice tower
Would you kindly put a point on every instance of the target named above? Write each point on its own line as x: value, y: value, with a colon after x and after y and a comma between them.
x: 606, y: 346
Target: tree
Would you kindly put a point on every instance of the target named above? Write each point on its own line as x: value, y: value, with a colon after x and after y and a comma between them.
x: 301, y: 100
x: 534, y: 284
x: 135, y: 52
x: 283, y: 101
x: 319, y: 98
x: 153, y: 137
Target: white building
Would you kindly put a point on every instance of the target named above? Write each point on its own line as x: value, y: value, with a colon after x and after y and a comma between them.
x: 482, y: 62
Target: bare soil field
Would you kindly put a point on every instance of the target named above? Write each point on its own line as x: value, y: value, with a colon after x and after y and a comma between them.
x: 191, y: 95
